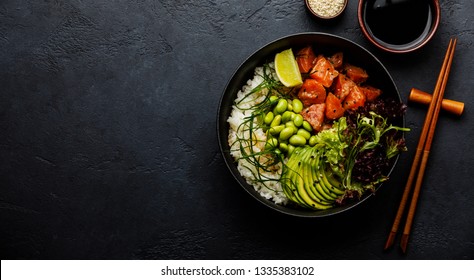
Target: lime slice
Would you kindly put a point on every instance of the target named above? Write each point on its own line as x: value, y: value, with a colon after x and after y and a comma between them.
x: 287, y: 69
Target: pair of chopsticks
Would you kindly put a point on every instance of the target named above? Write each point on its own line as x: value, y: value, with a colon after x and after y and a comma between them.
x: 422, y: 153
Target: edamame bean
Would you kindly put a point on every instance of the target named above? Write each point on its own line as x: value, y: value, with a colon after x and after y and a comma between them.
x: 307, y: 126
x: 275, y: 111
x: 312, y: 140
x: 283, y: 147
x: 286, y: 116
x: 293, y: 115
x: 297, y: 140
x: 276, y: 121
x: 303, y: 132
x: 275, y: 130
x: 271, y: 143
x: 268, y: 118
x: 297, y: 105
x: 290, y: 107
x: 298, y: 120
x: 290, y: 124
x: 286, y: 133
x: 273, y: 98
x: 281, y: 106
x: 291, y: 149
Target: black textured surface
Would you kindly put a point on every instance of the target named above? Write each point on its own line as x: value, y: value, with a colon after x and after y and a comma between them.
x: 109, y: 148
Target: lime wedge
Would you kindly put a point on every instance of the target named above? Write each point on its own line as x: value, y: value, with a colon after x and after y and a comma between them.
x: 287, y: 69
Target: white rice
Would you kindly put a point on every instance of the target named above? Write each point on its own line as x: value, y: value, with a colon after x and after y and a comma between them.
x: 269, y: 189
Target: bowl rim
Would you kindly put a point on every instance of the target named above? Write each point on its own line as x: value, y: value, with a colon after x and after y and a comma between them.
x: 365, y: 31
x: 230, y: 162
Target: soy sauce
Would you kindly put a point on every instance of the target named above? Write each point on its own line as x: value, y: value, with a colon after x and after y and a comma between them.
x: 398, y: 22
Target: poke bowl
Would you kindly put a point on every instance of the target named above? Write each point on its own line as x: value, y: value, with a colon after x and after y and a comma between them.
x: 303, y: 154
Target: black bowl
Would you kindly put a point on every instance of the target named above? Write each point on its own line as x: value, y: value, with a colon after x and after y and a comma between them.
x: 322, y: 43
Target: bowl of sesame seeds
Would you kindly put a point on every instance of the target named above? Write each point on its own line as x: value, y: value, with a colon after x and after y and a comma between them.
x: 326, y: 9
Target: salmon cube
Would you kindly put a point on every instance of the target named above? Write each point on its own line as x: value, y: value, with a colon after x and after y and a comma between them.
x: 305, y: 59
x: 312, y: 92
x: 334, y: 109
x: 323, y: 71
x: 355, y: 99
x: 342, y: 86
x: 371, y: 93
x: 336, y: 60
x: 357, y: 74
x: 314, y: 114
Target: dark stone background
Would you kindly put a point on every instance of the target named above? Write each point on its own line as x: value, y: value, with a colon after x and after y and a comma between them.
x: 108, y: 140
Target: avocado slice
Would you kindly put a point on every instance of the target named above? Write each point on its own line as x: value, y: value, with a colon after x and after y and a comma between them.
x: 333, y: 189
x: 297, y: 179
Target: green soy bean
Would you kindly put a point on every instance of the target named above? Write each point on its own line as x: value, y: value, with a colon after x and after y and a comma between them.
x: 312, y: 140
x: 297, y: 140
x: 283, y: 147
x: 298, y: 120
x: 273, y: 98
x: 268, y: 118
x: 286, y: 116
x: 281, y: 106
x: 276, y: 121
x: 271, y: 143
x: 293, y: 115
x: 307, y: 126
x: 275, y: 130
x: 303, y: 132
x: 291, y: 149
x: 286, y: 133
x: 297, y: 105
x: 275, y: 111
x: 290, y: 124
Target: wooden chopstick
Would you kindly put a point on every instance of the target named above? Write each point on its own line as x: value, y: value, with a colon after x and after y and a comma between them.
x: 422, y: 152
x: 427, y: 148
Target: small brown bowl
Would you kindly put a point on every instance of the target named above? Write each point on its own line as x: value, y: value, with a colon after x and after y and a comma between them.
x: 329, y: 12
x: 392, y: 41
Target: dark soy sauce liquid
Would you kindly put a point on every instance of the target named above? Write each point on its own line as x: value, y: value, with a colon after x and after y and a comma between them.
x: 398, y: 22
